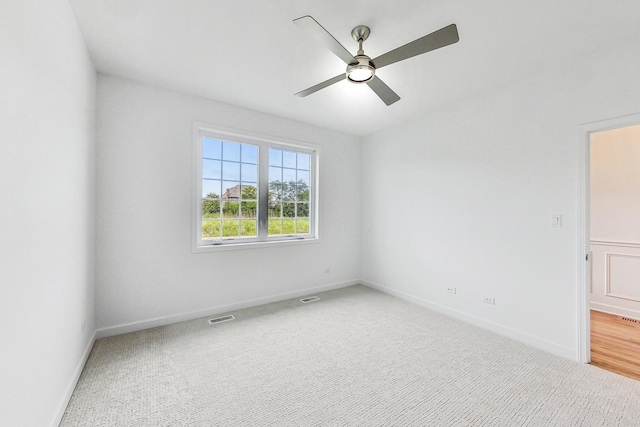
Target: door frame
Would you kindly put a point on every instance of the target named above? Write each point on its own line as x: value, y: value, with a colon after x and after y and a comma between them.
x: 583, y: 344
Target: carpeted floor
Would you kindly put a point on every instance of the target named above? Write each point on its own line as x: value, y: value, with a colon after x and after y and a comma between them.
x: 356, y: 357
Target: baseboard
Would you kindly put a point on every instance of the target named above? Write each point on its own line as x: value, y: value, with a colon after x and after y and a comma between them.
x: 183, y: 317
x: 616, y: 311
x: 74, y: 381
x: 542, y: 344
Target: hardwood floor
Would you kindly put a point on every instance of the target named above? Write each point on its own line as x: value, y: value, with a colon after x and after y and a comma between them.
x: 615, y: 344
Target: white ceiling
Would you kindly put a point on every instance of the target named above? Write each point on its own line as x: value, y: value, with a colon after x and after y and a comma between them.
x: 249, y: 53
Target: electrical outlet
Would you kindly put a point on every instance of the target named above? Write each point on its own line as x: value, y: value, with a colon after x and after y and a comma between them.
x: 489, y: 300
x: 451, y: 290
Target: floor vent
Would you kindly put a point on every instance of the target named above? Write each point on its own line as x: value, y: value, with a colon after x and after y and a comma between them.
x: 221, y: 319
x: 630, y: 320
x: 310, y: 299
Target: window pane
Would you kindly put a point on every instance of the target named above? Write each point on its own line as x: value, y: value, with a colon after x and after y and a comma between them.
x: 249, y: 228
x: 210, y: 208
x: 211, y: 148
x: 275, y: 192
x: 249, y: 154
x: 230, y: 228
x: 275, y: 157
x: 231, y: 151
x: 302, y: 194
x: 249, y: 192
x: 230, y: 209
x: 275, y: 209
x: 275, y: 174
x: 288, y: 175
x: 249, y: 209
x: 211, y: 169
x: 211, y: 188
x: 249, y: 173
x: 302, y: 210
x: 288, y: 191
x: 275, y: 227
x: 302, y: 225
x: 303, y: 176
x: 231, y: 171
x: 288, y: 209
x: 288, y: 226
x: 289, y: 159
x: 304, y: 161
x: 211, y: 229
x: 230, y: 190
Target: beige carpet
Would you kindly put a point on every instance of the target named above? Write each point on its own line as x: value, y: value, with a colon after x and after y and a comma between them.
x: 356, y: 357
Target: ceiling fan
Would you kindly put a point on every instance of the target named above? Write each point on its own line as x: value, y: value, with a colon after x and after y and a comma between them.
x: 361, y: 68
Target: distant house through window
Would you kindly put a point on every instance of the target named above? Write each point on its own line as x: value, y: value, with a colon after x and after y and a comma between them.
x: 234, y: 192
x: 251, y: 190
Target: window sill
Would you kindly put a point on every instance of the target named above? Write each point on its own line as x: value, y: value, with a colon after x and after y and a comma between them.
x: 253, y: 245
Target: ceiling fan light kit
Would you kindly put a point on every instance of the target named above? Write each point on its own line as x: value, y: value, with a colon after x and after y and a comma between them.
x: 361, y: 68
x: 361, y: 72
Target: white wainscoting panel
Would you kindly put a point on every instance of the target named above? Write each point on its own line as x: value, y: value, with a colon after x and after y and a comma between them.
x: 623, y: 276
x: 615, y: 277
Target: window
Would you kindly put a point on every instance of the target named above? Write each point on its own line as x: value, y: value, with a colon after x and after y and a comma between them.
x: 250, y: 189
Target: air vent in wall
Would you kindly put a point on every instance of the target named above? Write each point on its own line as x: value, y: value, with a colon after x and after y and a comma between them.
x: 310, y: 299
x: 221, y: 319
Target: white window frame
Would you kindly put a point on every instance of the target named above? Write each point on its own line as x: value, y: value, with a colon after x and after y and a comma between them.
x: 263, y: 142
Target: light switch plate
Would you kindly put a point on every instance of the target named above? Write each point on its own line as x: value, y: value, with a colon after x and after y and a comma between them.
x: 556, y: 221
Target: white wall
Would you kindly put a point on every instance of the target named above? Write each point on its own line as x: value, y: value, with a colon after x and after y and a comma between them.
x: 615, y: 221
x: 47, y: 253
x: 462, y: 196
x: 147, y: 274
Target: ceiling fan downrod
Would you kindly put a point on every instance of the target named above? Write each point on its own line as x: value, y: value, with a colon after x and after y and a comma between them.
x: 360, y: 34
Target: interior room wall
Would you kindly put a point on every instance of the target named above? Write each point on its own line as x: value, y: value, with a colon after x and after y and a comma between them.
x: 47, y: 252
x: 615, y: 185
x: 615, y: 221
x: 462, y: 197
x: 146, y: 273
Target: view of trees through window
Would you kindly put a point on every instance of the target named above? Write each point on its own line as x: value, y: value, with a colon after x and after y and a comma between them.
x: 231, y: 185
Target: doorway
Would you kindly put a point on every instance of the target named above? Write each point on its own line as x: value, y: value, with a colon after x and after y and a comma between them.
x: 609, y: 306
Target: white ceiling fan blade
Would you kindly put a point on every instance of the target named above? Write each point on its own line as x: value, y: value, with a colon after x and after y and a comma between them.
x: 385, y: 93
x: 322, y: 85
x: 317, y: 31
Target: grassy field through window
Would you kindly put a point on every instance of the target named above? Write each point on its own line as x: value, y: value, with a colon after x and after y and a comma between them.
x: 234, y: 227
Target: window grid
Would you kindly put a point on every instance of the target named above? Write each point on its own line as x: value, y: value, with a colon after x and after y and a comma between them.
x: 273, y: 209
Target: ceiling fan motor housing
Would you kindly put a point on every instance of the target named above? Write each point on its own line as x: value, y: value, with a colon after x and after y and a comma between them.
x: 361, y: 72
